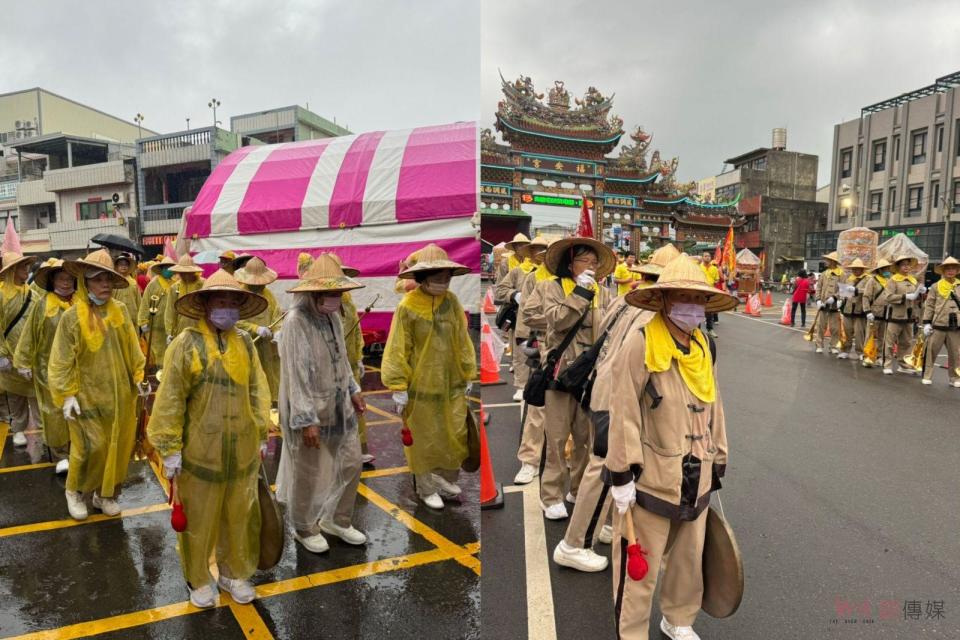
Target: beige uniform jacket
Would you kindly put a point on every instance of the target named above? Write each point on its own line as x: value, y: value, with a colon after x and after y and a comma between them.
x: 828, y: 286
x: 562, y: 312
x: 512, y: 283
x: 653, y: 446
x: 871, y: 290
x: 939, y: 311
x: 527, y: 286
x: 895, y: 304
x: 853, y: 306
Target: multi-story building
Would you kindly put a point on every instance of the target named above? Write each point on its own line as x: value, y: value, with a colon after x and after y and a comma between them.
x: 895, y: 169
x: 285, y: 124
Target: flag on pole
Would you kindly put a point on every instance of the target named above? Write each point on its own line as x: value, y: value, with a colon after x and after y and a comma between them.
x: 585, y: 228
x: 730, y: 252
x: 763, y: 261
x: 718, y: 254
x: 11, y: 240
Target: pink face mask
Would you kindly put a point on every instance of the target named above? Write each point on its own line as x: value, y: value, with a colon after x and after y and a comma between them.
x: 330, y: 304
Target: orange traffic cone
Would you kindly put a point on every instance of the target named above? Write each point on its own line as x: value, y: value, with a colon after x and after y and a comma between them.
x: 768, y: 299
x: 489, y: 362
x: 785, y: 316
x: 753, y: 305
x: 491, y: 491
x: 488, y: 306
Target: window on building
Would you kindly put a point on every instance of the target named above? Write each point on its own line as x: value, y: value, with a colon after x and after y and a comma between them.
x: 896, y: 148
x: 956, y: 195
x: 859, y: 156
x: 876, y: 205
x: 918, y: 143
x: 914, y: 201
x: 843, y: 214
x: 879, y: 155
x: 936, y: 195
x: 95, y: 210
x: 760, y: 164
x: 846, y: 162
x: 940, y: 139
x: 892, y: 199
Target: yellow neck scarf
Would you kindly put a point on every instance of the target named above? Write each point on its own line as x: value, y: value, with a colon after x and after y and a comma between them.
x: 542, y: 272
x: 234, y: 359
x: 836, y: 271
x: 899, y: 277
x: 9, y: 289
x: 512, y: 263
x: 527, y: 265
x: 569, y: 285
x: 881, y: 280
x: 945, y: 287
x: 93, y: 325
x: 164, y: 283
x: 696, y: 368
x: 55, y: 305
x: 423, y: 304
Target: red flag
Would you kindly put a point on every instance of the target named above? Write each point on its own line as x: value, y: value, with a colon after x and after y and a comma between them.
x: 585, y: 228
x: 718, y: 254
x: 11, y: 240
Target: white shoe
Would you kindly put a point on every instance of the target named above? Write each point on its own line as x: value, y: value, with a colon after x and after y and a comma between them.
x: 579, y: 559
x: 511, y: 368
x: 367, y: 458
x: 108, y: 506
x: 434, y: 501
x: 315, y: 543
x: 843, y: 355
x: 203, y: 598
x: 526, y: 474
x: 606, y: 534
x: 518, y: 396
x: 819, y: 349
x: 956, y: 384
x: 76, y: 506
x: 19, y: 440
x: 925, y: 381
x: 447, y: 489
x: 834, y: 350
x: 572, y: 499
x: 241, y: 591
x: 350, y: 535
x: 907, y: 370
x: 62, y: 467
x: 888, y: 372
x: 678, y: 633
x: 555, y: 511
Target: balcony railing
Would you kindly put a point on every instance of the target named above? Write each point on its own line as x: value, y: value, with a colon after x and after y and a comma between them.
x: 156, y: 212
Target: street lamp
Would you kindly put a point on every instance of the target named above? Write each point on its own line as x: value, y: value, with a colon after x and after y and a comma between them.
x: 188, y: 124
x: 139, y: 119
x: 213, y: 104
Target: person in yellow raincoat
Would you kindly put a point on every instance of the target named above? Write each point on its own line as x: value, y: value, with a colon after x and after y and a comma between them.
x: 16, y: 298
x: 155, y: 298
x: 226, y: 261
x: 255, y: 276
x: 126, y: 265
x: 209, y: 423
x: 188, y: 280
x: 94, y: 371
x: 33, y: 353
x: 429, y: 363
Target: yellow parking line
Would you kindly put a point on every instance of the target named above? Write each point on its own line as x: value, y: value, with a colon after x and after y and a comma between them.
x: 379, y: 473
x: 457, y: 552
x: 25, y: 467
x: 4, y: 430
x: 254, y: 628
x: 379, y: 422
x: 380, y: 412
x: 63, y: 524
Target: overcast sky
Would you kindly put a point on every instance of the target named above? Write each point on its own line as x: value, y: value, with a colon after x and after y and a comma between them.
x: 710, y: 80
x: 371, y: 64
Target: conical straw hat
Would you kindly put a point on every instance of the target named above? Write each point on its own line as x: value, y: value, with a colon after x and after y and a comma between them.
x: 900, y: 258
x: 882, y: 263
x: 161, y: 264
x: 857, y: 264
x: 304, y: 260
x: 186, y: 265
x: 12, y: 259
x: 949, y: 261
x: 433, y: 258
x: 681, y: 274
x: 325, y: 276
x: 255, y: 272
x: 608, y: 261
x: 97, y: 261
x: 658, y: 260
x: 192, y: 304
x: 518, y: 241
x: 832, y: 256
x: 350, y: 272
x: 45, y: 272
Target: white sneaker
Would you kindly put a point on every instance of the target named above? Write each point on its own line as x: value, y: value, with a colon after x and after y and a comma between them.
x: 315, y: 543
x: 579, y: 559
x: 907, y: 370
x: 606, y: 534
x: 678, y: 633
x: 925, y: 381
x: 572, y: 499
x: 955, y: 383
x: 518, y: 396
x: 834, y: 350
x: 19, y: 439
x: 843, y: 355
x: 447, y: 489
x: 203, y: 598
x: 888, y: 372
x: 367, y: 458
x: 555, y: 511
x: 526, y: 474
x: 241, y: 591
x: 819, y: 349
x: 108, y: 506
x: 434, y: 501
x: 511, y: 368
x: 62, y: 467
x: 350, y: 535
x: 76, y: 506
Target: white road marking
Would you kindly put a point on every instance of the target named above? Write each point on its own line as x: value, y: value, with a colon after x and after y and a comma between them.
x: 541, y: 623
x: 500, y: 405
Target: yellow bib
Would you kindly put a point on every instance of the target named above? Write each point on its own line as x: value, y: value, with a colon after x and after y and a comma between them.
x: 235, y: 360
x: 696, y: 368
x: 55, y: 304
x: 542, y: 273
x: 899, y: 277
x: 945, y: 288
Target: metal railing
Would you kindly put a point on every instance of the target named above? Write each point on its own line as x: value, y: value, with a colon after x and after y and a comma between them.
x: 187, y: 139
x: 174, y: 211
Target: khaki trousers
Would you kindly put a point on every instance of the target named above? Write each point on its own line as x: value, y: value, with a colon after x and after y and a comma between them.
x: 900, y: 334
x: 531, y: 439
x: 592, y: 507
x: 563, y: 418
x: 856, y: 330
x: 520, y: 369
x: 679, y: 545
x: 828, y: 319
x: 934, y: 343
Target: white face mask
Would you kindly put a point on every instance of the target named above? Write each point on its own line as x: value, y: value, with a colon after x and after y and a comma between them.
x: 687, y: 316
x: 436, y: 288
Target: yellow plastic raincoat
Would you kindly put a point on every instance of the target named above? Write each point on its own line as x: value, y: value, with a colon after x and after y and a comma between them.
x: 266, y: 347
x: 173, y: 322
x: 33, y: 352
x: 353, y: 337
x: 430, y: 356
x: 213, y: 406
x: 12, y: 299
x: 95, y: 356
x: 158, y: 287
x: 129, y: 296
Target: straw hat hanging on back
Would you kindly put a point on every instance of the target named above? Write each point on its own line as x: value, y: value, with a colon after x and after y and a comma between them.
x: 433, y: 258
x: 193, y: 305
x: 93, y: 265
x: 681, y: 274
x: 255, y: 273
x: 325, y: 276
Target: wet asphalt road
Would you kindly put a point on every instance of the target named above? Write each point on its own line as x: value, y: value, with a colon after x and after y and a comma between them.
x: 843, y: 489
x: 120, y: 577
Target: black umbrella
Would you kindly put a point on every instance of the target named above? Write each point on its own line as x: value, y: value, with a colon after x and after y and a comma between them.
x: 120, y: 243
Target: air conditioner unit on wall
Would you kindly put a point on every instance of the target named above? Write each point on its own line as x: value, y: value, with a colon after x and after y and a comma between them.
x: 120, y: 197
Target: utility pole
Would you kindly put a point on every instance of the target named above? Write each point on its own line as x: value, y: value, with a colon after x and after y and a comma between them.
x: 947, y: 210
x: 139, y: 119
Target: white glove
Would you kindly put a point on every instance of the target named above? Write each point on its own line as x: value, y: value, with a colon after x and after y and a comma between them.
x: 5, y: 364
x: 400, y: 399
x: 819, y: 304
x: 169, y: 339
x: 912, y: 296
x: 26, y: 373
x: 624, y: 495
x: 263, y: 450
x: 871, y: 317
x: 922, y: 289
x: 586, y: 280
x: 264, y: 332
x: 71, y: 407
x: 927, y: 330
x: 516, y: 297
x: 144, y: 328
x: 831, y: 300
x: 171, y: 465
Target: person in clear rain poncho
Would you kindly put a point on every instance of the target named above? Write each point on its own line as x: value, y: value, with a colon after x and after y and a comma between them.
x: 188, y: 280
x: 265, y: 326
x: 319, y: 402
x: 155, y: 297
x: 94, y: 372
x: 429, y: 363
x: 209, y: 423
x: 16, y: 298
x: 33, y: 353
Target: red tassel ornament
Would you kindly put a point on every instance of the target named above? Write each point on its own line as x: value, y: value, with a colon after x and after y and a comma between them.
x: 406, y: 436
x: 178, y: 519
x: 636, y: 563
